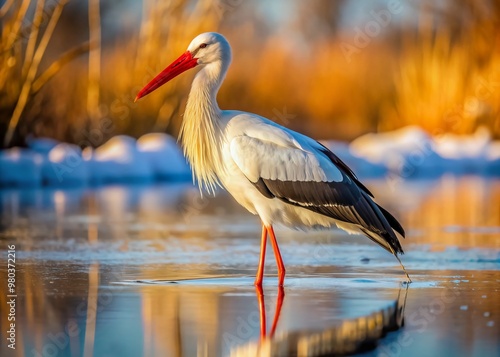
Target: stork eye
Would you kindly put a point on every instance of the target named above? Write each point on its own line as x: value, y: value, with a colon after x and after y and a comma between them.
x: 203, y: 45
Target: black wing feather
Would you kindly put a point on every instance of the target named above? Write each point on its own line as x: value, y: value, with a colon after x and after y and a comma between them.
x: 347, y: 201
x: 392, y: 221
x: 343, y: 166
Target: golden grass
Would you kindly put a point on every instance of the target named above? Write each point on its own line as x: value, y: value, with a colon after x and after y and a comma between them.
x: 21, y: 52
x: 444, y: 87
x: 444, y: 78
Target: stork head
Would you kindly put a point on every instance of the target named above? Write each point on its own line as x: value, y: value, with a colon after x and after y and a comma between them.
x: 210, y: 47
x: 206, y: 48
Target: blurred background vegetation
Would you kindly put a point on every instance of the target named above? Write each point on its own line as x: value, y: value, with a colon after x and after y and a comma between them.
x: 332, y: 69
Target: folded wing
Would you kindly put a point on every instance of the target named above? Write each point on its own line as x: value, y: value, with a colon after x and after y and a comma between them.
x: 304, y: 173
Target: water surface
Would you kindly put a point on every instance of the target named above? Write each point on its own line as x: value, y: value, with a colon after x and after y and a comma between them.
x: 159, y: 271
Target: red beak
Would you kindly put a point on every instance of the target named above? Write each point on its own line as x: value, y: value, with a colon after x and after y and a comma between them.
x: 181, y: 64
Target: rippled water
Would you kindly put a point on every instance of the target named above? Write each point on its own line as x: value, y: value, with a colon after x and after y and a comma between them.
x: 156, y: 270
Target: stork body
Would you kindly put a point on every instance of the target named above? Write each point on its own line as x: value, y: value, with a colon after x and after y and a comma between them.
x: 278, y: 174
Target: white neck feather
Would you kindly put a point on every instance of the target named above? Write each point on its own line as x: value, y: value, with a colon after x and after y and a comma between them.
x: 200, y: 131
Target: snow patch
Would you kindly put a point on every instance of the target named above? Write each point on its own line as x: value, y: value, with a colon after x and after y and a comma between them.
x: 64, y: 165
x: 410, y: 153
x: 403, y: 154
x: 164, y: 156
x: 20, y: 167
x: 118, y: 160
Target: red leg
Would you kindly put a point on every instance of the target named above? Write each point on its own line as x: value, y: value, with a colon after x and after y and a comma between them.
x: 279, y: 304
x: 262, y: 259
x: 262, y: 310
x: 277, y: 255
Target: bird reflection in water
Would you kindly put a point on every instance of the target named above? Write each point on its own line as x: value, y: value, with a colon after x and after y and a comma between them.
x: 262, y: 310
x: 350, y: 336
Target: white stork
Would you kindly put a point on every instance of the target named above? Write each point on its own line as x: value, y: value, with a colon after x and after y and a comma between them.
x: 276, y: 173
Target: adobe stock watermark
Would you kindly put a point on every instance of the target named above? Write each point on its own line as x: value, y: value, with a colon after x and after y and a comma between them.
x: 224, y: 6
x: 418, y: 321
x: 282, y: 116
x: 27, y: 27
x: 409, y: 165
x: 473, y: 104
x: 193, y: 206
x: 364, y: 34
x: 247, y: 326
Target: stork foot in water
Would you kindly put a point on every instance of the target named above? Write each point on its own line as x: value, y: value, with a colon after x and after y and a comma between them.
x: 274, y: 172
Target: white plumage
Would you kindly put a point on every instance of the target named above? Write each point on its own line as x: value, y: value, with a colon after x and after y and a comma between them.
x: 258, y: 148
x: 274, y: 172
